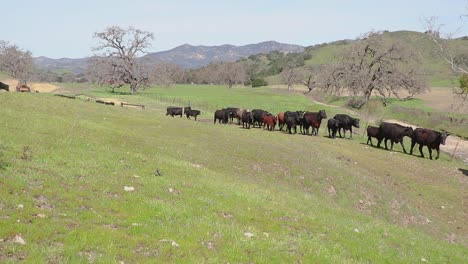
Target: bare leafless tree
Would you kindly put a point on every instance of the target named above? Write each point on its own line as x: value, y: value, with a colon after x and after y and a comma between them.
x: 231, y: 73
x: 290, y: 76
x: 458, y: 62
x: 14, y: 61
x: 441, y: 40
x: 375, y: 65
x: 223, y: 73
x: 166, y: 74
x: 119, y: 50
x: 309, y: 76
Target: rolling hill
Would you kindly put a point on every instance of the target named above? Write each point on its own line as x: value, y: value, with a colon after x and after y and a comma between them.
x: 435, y: 68
x: 186, y: 55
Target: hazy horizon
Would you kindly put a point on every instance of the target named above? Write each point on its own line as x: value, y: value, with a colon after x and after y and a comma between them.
x: 58, y: 29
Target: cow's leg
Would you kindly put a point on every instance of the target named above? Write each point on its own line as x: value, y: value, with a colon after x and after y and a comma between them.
x: 403, y: 146
x: 413, y: 142
x: 438, y: 152
x: 386, y: 143
x: 430, y: 152
x: 420, y: 150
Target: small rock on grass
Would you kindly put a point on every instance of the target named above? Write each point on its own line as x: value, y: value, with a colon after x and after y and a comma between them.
x: 248, y: 234
x: 129, y: 188
x: 19, y: 240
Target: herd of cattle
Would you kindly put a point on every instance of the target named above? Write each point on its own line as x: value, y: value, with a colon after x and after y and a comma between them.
x: 306, y: 120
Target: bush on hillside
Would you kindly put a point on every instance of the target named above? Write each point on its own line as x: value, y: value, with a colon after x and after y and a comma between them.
x: 258, y: 82
x: 464, y: 82
x: 355, y: 102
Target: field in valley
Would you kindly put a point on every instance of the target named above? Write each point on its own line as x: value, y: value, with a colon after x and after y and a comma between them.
x: 205, y: 193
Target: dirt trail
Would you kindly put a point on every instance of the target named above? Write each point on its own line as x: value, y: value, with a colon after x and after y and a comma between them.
x: 35, y: 86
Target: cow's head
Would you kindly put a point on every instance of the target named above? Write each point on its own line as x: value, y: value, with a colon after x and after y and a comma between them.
x: 443, y: 137
x: 408, y: 132
x: 322, y: 114
x: 356, y: 122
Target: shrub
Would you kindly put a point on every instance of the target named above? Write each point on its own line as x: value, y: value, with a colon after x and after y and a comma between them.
x: 355, y: 102
x: 464, y: 83
x: 257, y: 82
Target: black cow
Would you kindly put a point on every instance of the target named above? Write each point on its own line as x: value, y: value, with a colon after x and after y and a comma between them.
x: 247, y: 119
x: 372, y: 132
x: 292, y: 119
x: 430, y: 138
x: 346, y: 123
x: 222, y: 116
x: 313, y: 120
x: 4, y: 86
x: 192, y: 112
x: 257, y: 116
x: 395, y: 133
x: 232, y: 113
x: 333, y: 126
x: 174, y: 110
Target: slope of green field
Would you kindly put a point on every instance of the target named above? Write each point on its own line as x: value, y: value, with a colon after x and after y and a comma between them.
x: 437, y: 71
x: 226, y: 194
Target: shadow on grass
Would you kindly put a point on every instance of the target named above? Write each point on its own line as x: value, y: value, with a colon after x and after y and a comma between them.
x: 383, y: 148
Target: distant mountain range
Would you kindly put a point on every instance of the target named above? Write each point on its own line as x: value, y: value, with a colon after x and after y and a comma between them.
x: 186, y: 55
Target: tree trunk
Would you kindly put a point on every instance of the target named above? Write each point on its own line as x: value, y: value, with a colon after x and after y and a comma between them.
x: 132, y: 88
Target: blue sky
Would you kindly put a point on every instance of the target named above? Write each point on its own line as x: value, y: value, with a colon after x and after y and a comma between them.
x: 58, y: 29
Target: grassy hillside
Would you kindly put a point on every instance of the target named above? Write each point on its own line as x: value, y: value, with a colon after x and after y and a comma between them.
x: 437, y: 71
x: 225, y: 195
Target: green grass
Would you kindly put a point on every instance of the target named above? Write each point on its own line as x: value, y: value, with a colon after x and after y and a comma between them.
x: 209, y: 98
x: 225, y: 181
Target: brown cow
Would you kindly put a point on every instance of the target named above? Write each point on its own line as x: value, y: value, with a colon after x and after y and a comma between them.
x: 281, y: 120
x: 269, y: 121
x: 239, y: 113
